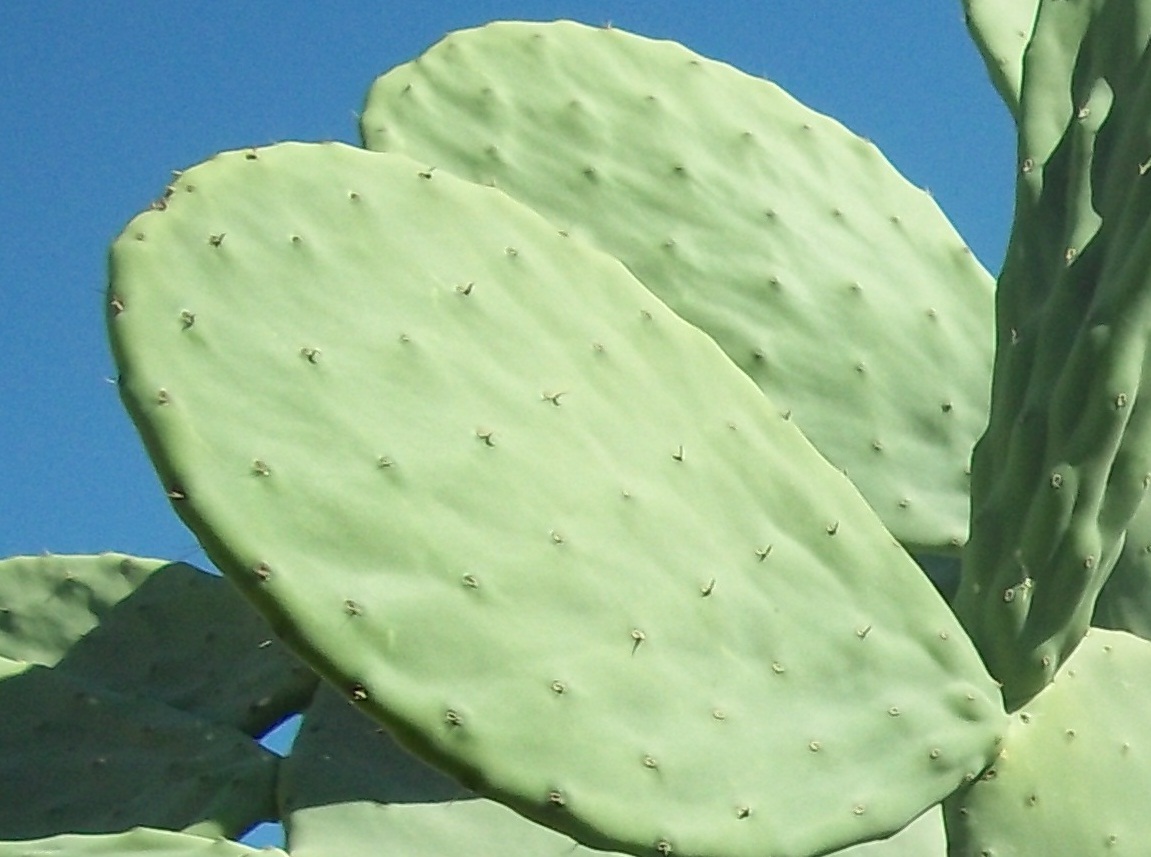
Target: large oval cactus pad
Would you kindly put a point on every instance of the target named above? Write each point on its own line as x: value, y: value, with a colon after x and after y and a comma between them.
x: 517, y: 509
x: 790, y: 240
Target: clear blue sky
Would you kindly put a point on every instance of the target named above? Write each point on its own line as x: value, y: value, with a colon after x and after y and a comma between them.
x: 100, y: 101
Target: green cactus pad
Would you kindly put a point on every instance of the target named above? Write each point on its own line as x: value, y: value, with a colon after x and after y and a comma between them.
x: 513, y: 506
x: 75, y: 612
x: 160, y: 677
x: 1072, y: 775
x: 830, y: 280
x: 1001, y: 30
x: 49, y: 602
x: 341, y: 756
x: 1066, y: 460
x: 152, y: 843
x: 77, y: 758
x: 187, y: 639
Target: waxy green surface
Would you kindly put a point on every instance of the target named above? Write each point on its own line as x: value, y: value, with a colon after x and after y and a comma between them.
x: 526, y: 516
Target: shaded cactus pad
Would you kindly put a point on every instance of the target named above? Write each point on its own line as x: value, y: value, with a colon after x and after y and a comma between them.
x: 134, y: 689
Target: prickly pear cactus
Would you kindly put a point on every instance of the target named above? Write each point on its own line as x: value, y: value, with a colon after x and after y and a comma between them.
x: 530, y: 475
x: 48, y: 603
x: 494, y: 490
x: 348, y: 788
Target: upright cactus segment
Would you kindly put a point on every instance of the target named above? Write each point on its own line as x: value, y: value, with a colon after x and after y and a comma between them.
x: 1066, y: 459
x: 1001, y: 30
x: 530, y: 519
x: 787, y: 238
x: 129, y: 701
x: 1072, y: 775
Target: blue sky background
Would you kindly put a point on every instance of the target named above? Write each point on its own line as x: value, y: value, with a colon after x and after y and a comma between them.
x: 99, y: 101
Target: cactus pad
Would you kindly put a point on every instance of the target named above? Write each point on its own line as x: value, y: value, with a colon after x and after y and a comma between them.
x: 492, y: 488
x: 83, y: 759
x: 787, y: 238
x: 135, y: 688
x: 1072, y: 774
x: 49, y: 602
x: 187, y: 639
